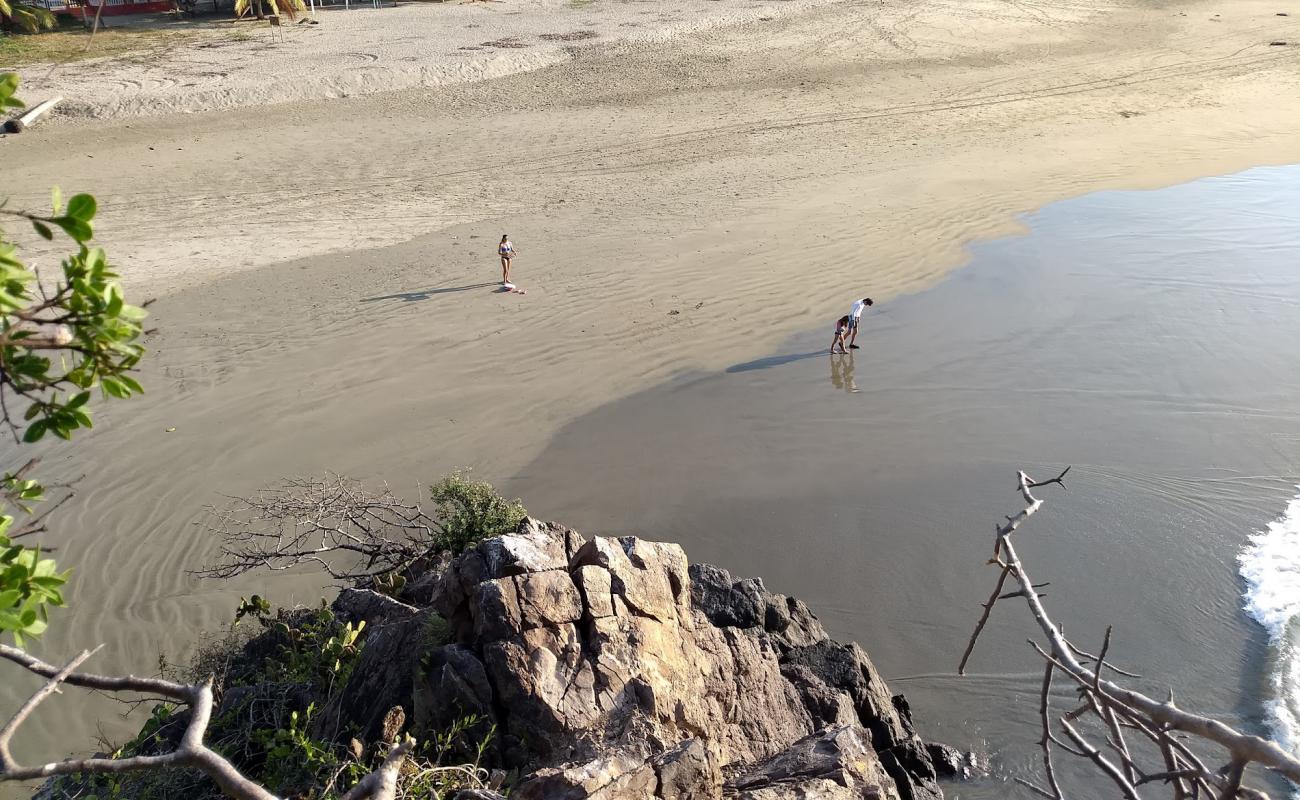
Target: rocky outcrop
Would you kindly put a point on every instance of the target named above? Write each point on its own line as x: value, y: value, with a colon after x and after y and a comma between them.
x: 611, y: 668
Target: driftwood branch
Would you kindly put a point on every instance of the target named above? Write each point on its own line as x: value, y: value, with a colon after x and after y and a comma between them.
x: 1161, y: 728
x: 333, y: 523
x: 191, y: 752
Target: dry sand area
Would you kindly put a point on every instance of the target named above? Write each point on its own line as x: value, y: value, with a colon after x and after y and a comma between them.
x: 325, y: 265
x: 358, y: 49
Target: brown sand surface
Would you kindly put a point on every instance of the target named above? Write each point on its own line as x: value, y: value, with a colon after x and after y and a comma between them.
x: 322, y: 265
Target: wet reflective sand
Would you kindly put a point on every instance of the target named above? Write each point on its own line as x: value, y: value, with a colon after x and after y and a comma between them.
x: 1146, y: 338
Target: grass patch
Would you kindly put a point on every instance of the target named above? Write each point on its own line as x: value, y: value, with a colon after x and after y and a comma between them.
x: 121, y: 41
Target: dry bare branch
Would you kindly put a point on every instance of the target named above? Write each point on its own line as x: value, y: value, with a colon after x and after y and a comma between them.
x: 382, y: 783
x: 191, y: 752
x: 331, y: 522
x: 1111, y: 771
x: 984, y: 618
x: 1045, y: 742
x: 1162, y: 725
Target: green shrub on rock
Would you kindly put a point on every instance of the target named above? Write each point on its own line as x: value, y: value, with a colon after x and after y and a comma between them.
x: 469, y: 511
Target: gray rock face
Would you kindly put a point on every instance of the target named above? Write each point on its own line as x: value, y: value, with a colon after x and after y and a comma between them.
x: 612, y: 669
x: 833, y: 763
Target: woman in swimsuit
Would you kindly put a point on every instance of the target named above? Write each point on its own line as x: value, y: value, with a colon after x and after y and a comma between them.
x: 507, y: 251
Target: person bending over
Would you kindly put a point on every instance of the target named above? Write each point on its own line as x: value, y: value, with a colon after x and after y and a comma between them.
x: 854, y: 317
x: 841, y: 325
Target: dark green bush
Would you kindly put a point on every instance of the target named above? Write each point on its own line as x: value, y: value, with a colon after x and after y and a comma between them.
x: 470, y: 510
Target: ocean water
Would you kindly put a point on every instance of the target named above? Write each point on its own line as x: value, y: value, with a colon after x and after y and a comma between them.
x: 1150, y: 339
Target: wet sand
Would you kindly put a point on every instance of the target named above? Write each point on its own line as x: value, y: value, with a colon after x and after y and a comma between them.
x: 1144, y: 339
x: 749, y: 179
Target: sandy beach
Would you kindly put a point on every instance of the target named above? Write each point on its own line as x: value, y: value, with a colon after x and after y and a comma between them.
x: 684, y: 197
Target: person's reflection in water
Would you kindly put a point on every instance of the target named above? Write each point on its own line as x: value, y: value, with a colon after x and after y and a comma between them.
x: 842, y: 373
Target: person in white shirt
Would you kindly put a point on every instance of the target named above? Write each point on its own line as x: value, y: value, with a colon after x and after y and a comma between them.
x: 507, y: 251
x: 854, y: 316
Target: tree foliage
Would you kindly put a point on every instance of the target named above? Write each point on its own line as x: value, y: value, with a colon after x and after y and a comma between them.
x: 27, y: 17
x: 60, y: 340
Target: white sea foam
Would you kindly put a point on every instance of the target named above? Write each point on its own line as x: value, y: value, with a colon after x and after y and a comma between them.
x: 1270, y: 565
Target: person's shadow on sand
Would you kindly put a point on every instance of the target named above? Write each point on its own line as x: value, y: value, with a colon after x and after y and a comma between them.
x: 425, y: 294
x: 772, y: 361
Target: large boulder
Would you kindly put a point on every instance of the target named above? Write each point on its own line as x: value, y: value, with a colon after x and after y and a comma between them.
x: 396, y: 636
x: 611, y: 668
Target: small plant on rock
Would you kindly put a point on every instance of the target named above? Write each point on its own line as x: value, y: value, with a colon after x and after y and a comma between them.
x: 471, y: 510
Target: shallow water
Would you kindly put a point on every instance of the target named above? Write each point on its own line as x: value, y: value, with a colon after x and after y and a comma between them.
x: 1147, y: 339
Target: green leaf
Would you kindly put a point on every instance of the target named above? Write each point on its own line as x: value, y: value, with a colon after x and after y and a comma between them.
x: 35, y: 431
x: 78, y: 229
x: 113, y: 387
x: 79, y: 400
x: 82, y: 207
x: 43, y: 229
x: 9, y: 85
x: 56, y: 200
x: 131, y: 384
x: 115, y: 302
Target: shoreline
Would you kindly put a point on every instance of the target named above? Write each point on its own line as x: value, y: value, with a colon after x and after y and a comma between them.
x: 1131, y: 361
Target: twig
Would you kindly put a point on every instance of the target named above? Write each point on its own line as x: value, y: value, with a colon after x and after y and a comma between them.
x: 1044, y: 712
x: 1235, y: 770
x: 984, y: 618
x: 1102, y: 763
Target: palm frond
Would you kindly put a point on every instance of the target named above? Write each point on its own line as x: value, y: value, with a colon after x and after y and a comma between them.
x: 27, y: 17
x: 285, y: 8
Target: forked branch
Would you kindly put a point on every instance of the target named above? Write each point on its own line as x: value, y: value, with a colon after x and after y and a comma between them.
x: 191, y: 752
x: 332, y: 522
x: 1115, y: 708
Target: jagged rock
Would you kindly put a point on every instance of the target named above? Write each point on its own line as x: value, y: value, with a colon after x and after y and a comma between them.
x: 597, y: 590
x: 827, y: 666
x: 648, y: 577
x: 792, y: 622
x: 354, y: 605
x: 495, y: 610
x: 452, y: 685
x: 832, y: 764
x: 613, y: 669
x: 537, y: 547
x: 547, y: 599
x: 615, y: 775
x: 396, y: 637
x: 686, y: 772
x: 953, y: 764
x: 726, y: 602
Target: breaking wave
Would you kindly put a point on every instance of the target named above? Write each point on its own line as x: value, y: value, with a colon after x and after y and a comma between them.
x: 1270, y: 565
